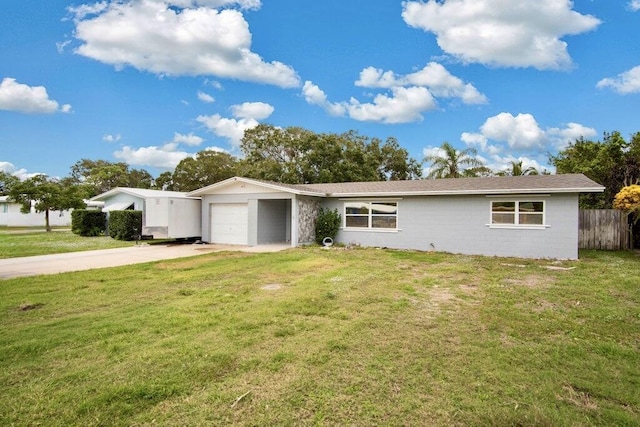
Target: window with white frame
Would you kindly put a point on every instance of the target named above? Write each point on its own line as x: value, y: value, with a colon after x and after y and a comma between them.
x: 510, y: 212
x: 374, y: 215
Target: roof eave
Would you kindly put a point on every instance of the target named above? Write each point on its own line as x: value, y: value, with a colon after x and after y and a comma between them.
x: 210, y: 189
x: 106, y: 194
x: 468, y: 192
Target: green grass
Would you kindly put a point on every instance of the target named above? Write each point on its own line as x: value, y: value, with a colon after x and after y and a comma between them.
x: 325, y: 337
x: 19, y: 243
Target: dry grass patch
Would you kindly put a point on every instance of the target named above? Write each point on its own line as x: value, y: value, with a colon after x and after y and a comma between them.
x: 531, y: 281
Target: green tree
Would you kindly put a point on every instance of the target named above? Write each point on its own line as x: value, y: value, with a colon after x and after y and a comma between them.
x: 397, y: 165
x: 7, y: 181
x: 297, y: 156
x: 275, y: 154
x: 452, y: 163
x: 164, y: 181
x: 206, y: 168
x: 612, y: 162
x: 517, y: 170
x: 102, y: 175
x: 140, y: 178
x: 46, y: 195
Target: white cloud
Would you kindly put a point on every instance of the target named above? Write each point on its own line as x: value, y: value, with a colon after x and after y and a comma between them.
x: 316, y: 96
x: 434, y: 76
x: 205, y: 97
x: 214, y: 84
x: 403, y: 106
x: 232, y: 129
x: 480, y: 141
x: 84, y: 10
x: 624, y: 83
x: 510, y: 33
x: 521, y: 131
x: 634, y: 5
x: 406, y: 98
x: 166, y: 156
x: 246, y: 117
x: 216, y: 149
x: 190, y: 139
x: 60, y: 46
x: 159, y: 37
x: 560, y: 137
x: 252, y: 110
x: 111, y: 138
x: 372, y: 77
x: 22, y: 98
x: 522, y: 134
x: 243, y: 4
x: 22, y: 174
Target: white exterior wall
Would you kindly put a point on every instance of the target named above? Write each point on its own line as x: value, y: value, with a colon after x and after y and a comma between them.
x: 156, y: 212
x: 184, y: 218
x: 10, y: 216
x: 460, y: 224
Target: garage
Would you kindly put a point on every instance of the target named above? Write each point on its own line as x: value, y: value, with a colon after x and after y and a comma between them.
x: 229, y: 223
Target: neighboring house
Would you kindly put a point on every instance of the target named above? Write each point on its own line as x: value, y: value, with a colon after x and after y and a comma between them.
x: 11, y: 216
x: 522, y: 216
x: 165, y: 214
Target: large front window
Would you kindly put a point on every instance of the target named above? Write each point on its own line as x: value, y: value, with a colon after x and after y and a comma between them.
x: 376, y: 215
x: 517, y: 212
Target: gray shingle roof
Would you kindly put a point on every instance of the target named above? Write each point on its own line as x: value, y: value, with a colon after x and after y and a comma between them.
x: 532, y: 184
x: 564, y: 183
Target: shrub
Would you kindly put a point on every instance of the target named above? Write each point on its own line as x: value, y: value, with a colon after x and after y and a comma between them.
x: 88, y: 222
x: 125, y: 225
x: 327, y: 224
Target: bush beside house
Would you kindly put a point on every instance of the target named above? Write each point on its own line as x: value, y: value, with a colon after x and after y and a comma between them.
x: 125, y: 225
x: 88, y: 222
x: 327, y: 224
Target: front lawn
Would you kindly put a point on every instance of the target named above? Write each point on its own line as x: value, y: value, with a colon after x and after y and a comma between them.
x: 326, y: 337
x: 19, y: 243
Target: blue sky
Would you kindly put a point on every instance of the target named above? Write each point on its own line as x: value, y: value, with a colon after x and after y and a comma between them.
x: 150, y: 82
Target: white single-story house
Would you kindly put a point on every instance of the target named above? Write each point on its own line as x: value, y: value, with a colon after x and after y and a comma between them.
x: 165, y: 214
x: 11, y: 215
x: 524, y: 216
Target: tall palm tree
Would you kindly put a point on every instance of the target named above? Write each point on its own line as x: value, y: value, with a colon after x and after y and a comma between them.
x: 517, y: 170
x: 453, y: 163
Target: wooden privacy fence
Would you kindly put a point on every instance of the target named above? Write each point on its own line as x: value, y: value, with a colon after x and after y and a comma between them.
x: 606, y: 229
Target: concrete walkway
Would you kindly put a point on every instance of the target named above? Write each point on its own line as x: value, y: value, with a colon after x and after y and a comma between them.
x: 88, y: 260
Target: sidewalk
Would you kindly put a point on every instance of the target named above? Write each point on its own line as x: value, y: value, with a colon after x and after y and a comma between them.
x: 88, y: 260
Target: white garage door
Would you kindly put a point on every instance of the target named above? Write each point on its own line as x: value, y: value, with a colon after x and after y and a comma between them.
x: 229, y: 223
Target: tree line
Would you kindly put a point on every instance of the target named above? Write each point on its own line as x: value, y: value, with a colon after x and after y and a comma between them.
x: 295, y: 155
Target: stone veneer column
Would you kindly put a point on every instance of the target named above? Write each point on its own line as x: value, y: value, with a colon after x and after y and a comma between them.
x: 308, y: 210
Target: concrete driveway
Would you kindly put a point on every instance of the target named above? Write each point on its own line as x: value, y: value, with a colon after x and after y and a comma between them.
x: 88, y: 260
